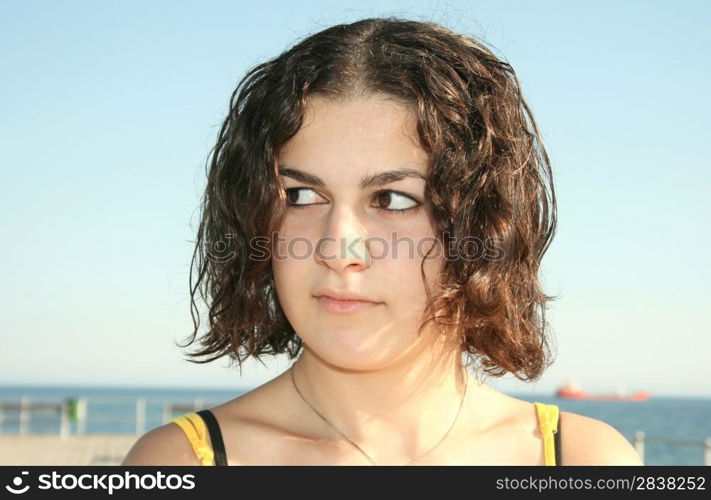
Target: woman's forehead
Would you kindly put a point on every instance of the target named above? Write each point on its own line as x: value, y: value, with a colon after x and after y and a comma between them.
x: 361, y: 137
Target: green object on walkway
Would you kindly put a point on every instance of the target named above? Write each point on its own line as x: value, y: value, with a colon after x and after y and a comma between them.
x: 76, y: 409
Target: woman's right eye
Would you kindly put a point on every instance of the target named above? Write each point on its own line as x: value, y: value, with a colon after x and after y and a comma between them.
x: 294, y: 200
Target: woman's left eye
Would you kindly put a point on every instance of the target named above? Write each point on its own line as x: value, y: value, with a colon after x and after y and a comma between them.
x: 403, y: 203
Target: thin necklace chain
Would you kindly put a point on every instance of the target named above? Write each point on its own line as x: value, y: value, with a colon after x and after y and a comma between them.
x: 370, y: 459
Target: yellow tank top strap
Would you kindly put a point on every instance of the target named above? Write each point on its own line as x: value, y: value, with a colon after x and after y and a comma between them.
x: 548, y: 421
x: 196, y: 432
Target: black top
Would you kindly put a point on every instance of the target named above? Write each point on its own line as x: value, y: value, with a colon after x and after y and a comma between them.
x: 556, y: 439
x: 218, y: 445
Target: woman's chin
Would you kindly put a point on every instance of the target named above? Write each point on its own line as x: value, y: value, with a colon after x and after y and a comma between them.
x: 352, y: 351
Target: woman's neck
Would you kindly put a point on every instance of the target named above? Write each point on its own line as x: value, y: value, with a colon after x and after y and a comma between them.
x: 395, y: 412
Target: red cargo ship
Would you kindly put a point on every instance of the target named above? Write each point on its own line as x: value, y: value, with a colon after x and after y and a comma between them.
x: 571, y: 390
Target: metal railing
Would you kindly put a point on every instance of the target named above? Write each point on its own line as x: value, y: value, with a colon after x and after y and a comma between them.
x: 640, y: 438
x: 26, y: 413
x: 25, y: 410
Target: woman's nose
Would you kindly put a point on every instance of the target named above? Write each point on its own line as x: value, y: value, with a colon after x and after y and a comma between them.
x: 344, y: 242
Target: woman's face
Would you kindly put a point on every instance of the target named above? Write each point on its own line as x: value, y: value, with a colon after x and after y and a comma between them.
x: 345, y: 234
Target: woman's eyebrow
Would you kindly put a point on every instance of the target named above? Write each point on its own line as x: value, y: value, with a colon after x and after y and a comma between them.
x: 379, y: 179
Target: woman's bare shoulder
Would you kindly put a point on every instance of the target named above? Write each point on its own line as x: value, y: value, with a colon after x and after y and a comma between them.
x: 251, y: 430
x: 164, y: 445
x: 584, y: 440
x: 589, y: 441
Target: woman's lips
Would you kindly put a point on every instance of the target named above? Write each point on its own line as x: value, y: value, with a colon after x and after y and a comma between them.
x: 334, y: 306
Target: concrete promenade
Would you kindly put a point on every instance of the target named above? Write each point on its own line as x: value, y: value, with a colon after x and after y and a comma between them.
x: 92, y: 449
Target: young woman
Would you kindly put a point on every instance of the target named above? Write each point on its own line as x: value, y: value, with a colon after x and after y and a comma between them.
x: 383, y: 200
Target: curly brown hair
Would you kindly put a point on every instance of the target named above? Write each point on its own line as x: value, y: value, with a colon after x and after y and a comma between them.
x: 489, y: 177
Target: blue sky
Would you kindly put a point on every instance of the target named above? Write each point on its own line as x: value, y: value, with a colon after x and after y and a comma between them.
x: 109, y: 110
